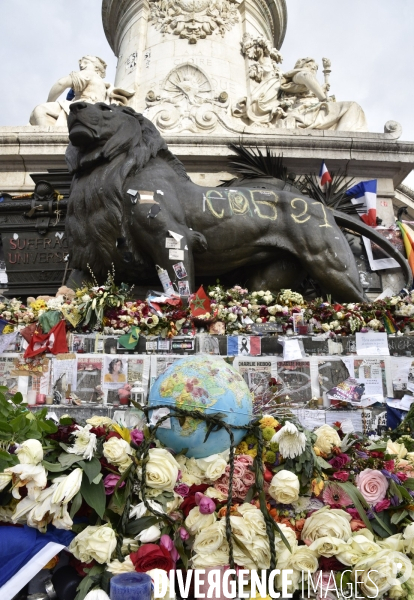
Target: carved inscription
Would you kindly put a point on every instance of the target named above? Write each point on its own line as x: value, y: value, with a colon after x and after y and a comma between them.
x: 41, y: 251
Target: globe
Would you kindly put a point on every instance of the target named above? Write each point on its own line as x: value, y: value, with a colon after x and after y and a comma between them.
x: 210, y: 385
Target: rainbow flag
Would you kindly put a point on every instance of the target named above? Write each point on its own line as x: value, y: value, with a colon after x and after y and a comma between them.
x: 408, y: 239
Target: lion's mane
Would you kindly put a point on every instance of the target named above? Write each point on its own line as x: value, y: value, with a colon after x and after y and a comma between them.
x: 97, y: 223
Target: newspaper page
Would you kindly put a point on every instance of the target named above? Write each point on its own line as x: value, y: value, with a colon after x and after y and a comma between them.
x: 89, y: 377
x: 160, y: 363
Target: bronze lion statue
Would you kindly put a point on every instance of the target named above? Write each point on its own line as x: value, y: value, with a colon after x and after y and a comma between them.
x: 133, y: 205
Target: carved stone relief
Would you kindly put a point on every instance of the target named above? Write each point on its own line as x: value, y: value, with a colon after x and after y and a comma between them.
x: 186, y: 102
x: 292, y: 99
x: 194, y: 19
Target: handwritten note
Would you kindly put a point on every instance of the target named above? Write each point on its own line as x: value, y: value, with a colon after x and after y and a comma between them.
x: 372, y: 344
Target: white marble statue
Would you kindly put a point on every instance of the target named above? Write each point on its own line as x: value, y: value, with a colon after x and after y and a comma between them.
x: 295, y: 95
x: 88, y: 85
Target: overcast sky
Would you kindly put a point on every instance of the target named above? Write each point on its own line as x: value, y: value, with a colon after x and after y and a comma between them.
x: 370, y: 44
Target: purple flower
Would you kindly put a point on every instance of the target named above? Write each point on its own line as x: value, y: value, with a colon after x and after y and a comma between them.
x: 205, y: 504
x: 395, y: 501
x: 184, y: 535
x: 389, y: 475
x: 182, y: 489
x: 110, y: 482
x: 137, y: 436
x: 362, y: 454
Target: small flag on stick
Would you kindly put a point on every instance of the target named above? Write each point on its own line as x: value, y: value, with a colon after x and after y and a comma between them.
x: 324, y: 175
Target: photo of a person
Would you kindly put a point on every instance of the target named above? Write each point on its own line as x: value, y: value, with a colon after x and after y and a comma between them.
x: 115, y: 374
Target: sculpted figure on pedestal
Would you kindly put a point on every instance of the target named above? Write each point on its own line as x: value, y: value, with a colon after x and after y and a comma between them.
x: 294, y: 98
x: 129, y: 194
x: 87, y: 85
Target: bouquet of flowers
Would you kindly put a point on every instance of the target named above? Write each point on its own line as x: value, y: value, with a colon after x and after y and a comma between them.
x: 334, y: 508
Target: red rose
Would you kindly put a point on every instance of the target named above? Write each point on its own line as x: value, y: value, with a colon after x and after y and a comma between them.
x: 402, y: 476
x: 331, y: 564
x: 190, y: 502
x: 341, y: 475
x: 339, y: 461
x: 98, y: 431
x: 382, y: 505
x: 151, y: 556
x: 113, y: 434
x: 389, y: 465
x: 376, y: 454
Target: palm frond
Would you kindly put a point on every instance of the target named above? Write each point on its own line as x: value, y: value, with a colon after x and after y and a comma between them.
x: 251, y: 163
x: 334, y: 196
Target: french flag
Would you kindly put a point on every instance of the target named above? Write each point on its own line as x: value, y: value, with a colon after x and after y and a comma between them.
x: 366, y: 193
x: 324, y: 175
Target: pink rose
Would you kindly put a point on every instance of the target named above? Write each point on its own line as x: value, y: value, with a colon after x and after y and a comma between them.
x: 382, y: 505
x: 222, y: 487
x: 239, y: 470
x: 182, y: 490
x: 110, y: 482
x: 373, y: 485
x: 137, y: 436
x: 245, y: 459
x: 249, y: 478
x: 402, y: 476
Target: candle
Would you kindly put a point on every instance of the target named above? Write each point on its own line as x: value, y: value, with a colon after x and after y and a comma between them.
x: 131, y: 586
x: 40, y: 398
x: 31, y: 397
x: 49, y: 399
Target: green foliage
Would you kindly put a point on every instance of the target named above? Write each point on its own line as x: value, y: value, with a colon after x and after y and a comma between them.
x: 18, y: 424
x: 94, y: 495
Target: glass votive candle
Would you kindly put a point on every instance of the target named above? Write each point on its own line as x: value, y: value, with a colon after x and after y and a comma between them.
x: 31, y: 397
x: 49, y: 399
x: 131, y: 586
x: 40, y: 398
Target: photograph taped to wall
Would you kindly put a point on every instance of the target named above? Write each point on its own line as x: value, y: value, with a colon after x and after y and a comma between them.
x: 7, y: 365
x: 89, y: 378
x: 138, y: 370
x: 115, y: 371
x: 159, y: 364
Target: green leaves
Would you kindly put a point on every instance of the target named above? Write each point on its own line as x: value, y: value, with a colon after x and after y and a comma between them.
x: 135, y: 527
x: 92, y: 468
x: 94, y: 495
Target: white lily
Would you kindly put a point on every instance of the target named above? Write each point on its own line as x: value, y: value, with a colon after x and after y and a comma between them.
x: 5, y: 479
x: 140, y: 509
x: 30, y: 452
x: 34, y: 477
x: 68, y: 487
x: 85, y: 444
x: 149, y: 535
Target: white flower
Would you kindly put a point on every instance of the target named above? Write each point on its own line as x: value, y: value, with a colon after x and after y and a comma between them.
x: 291, y: 441
x: 303, y: 559
x: 284, y: 487
x: 327, y: 546
x: 327, y: 437
x: 327, y: 522
x: 408, y: 535
x: 94, y: 543
x: 147, y: 536
x: 34, y: 477
x: 210, y: 538
x: 196, y: 521
x: 97, y: 595
x: 5, y: 479
x: 162, y: 470
x: 68, y: 487
x: 30, y: 452
x: 117, y: 451
x: 213, y: 466
x: 100, y: 421
x: 395, y: 448
x: 140, y: 509
x: 85, y: 444
x: 115, y: 567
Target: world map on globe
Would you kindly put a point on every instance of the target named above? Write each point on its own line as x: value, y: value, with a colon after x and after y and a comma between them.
x: 207, y: 384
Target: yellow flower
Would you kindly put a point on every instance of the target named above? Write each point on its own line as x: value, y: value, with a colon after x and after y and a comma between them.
x: 317, y: 451
x: 242, y: 448
x: 123, y: 432
x: 8, y: 329
x: 268, y: 422
x: 252, y: 452
x: 317, y: 486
